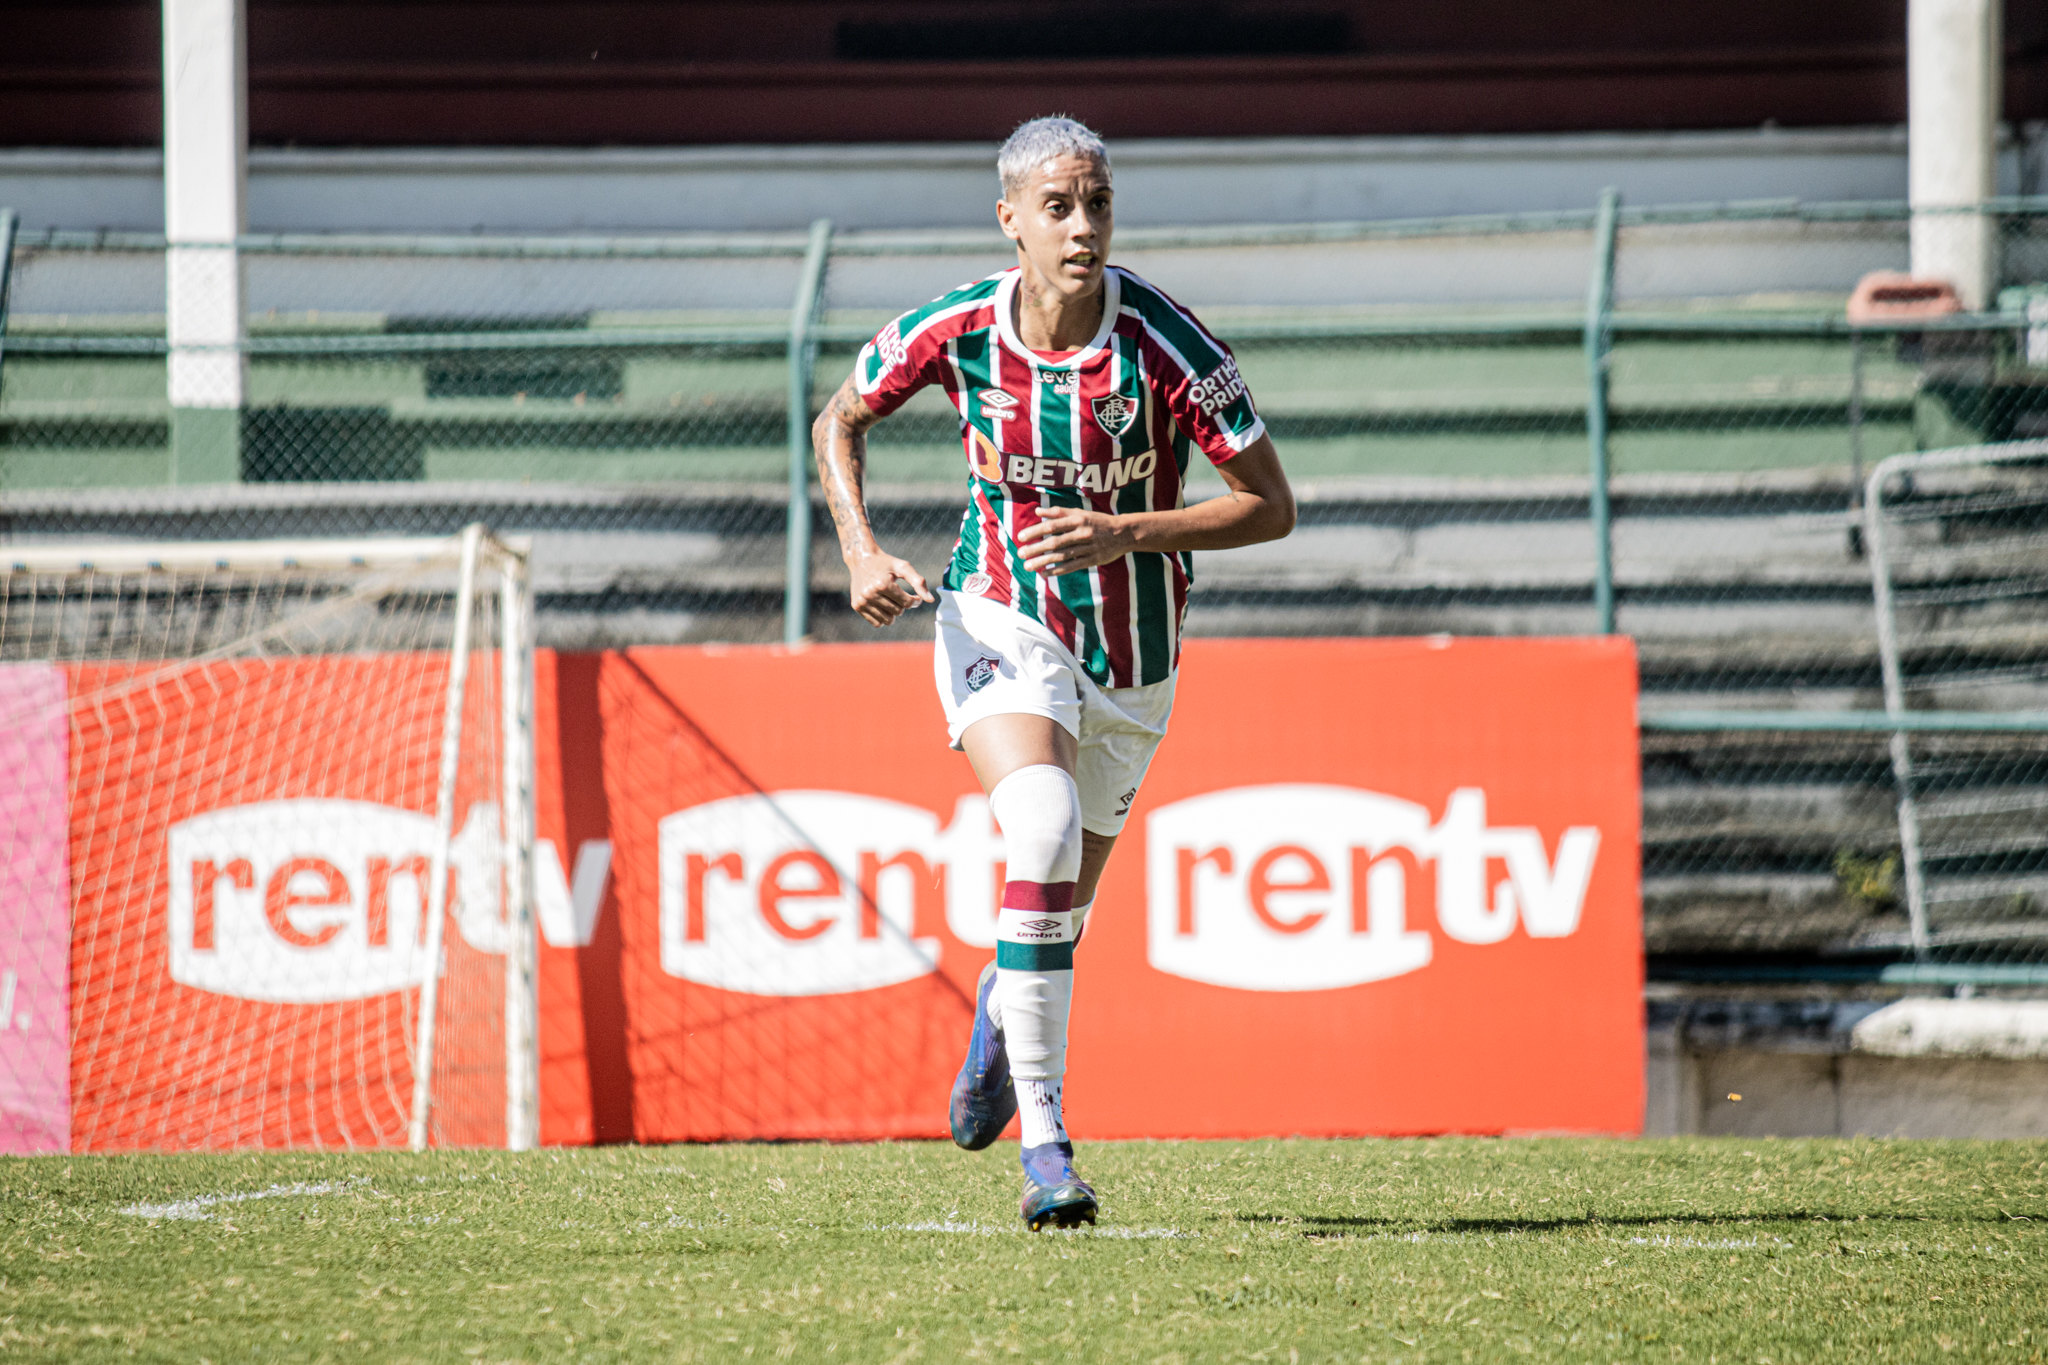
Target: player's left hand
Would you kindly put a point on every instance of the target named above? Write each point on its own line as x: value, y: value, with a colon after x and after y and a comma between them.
x: 1068, y: 539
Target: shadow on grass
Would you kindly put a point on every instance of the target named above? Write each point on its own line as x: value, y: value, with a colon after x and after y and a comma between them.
x: 1322, y: 1225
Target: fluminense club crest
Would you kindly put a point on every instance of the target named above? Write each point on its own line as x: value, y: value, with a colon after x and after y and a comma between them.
x: 1115, y: 413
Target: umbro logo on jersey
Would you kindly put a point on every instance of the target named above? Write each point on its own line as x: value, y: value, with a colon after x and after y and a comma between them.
x: 1115, y: 413
x: 998, y: 406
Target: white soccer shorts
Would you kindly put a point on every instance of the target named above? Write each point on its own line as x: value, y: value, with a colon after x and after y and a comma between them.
x: 992, y: 661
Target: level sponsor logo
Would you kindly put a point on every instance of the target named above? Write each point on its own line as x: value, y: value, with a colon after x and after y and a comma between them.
x: 1105, y: 477
x: 1064, y: 383
x: 1311, y: 887
x: 821, y: 892
x: 313, y: 901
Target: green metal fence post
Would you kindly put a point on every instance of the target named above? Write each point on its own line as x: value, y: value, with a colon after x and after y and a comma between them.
x: 803, y: 357
x: 8, y: 219
x: 1599, y: 311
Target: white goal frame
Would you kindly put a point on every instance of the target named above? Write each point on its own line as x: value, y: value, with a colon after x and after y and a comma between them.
x: 478, y: 556
x: 1897, y: 711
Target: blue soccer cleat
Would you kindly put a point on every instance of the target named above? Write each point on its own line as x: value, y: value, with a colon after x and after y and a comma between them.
x: 1053, y: 1194
x: 984, y: 1100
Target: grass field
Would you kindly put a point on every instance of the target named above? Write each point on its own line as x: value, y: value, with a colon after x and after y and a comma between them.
x: 1452, y: 1250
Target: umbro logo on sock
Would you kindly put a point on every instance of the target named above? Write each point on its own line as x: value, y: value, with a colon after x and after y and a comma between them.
x: 1040, y: 926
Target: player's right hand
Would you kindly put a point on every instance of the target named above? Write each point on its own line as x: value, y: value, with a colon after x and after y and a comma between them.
x: 884, y: 587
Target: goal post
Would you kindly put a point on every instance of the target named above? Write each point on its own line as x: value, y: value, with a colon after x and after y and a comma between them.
x: 293, y: 784
x: 1957, y: 541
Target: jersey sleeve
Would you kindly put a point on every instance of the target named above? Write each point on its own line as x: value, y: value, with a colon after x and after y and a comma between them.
x: 900, y: 360
x: 1203, y: 390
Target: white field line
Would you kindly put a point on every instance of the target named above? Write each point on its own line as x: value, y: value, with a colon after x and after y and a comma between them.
x: 195, y: 1210
x: 1703, y: 1244
x: 994, y: 1230
x: 1664, y: 1241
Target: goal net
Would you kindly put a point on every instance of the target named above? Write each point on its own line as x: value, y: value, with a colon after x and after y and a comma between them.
x: 267, y: 859
x: 1958, y: 541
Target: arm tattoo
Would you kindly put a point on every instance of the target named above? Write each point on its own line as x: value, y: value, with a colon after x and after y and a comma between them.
x: 840, y: 439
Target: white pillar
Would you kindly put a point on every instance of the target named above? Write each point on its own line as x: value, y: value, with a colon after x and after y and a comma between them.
x: 205, y: 187
x: 1953, y: 71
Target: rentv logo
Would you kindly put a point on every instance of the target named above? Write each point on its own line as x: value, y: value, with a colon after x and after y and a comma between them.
x: 1278, y: 888
x: 1301, y: 887
x: 818, y: 892
x: 312, y: 901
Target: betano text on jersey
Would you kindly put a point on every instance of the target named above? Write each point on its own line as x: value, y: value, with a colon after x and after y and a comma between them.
x: 1107, y: 427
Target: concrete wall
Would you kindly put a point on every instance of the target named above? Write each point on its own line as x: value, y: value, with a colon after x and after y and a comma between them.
x: 1825, y: 1093
x: 1160, y: 182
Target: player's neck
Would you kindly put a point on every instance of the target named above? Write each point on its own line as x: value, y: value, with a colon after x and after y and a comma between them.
x: 1049, y: 320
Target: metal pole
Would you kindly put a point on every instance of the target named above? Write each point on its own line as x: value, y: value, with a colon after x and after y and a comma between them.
x: 803, y: 355
x: 1855, y: 441
x: 1954, y: 69
x: 444, y: 833
x: 206, y: 185
x: 8, y: 221
x: 1599, y: 308
x: 1895, y: 706
x: 522, y: 1000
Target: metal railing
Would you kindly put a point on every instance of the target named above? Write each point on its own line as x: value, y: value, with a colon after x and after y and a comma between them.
x: 1984, y: 573
x: 1649, y: 419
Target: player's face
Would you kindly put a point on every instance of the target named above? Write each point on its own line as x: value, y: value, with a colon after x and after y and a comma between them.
x: 1061, y: 221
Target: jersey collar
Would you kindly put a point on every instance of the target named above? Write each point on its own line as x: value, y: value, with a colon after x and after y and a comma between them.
x: 1006, y: 295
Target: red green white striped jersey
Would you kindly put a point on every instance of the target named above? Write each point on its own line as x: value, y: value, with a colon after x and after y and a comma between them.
x: 1108, y: 427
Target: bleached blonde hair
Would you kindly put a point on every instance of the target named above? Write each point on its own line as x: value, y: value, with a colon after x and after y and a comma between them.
x: 1046, y: 139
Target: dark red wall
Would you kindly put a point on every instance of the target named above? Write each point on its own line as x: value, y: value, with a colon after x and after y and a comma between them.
x: 509, y: 72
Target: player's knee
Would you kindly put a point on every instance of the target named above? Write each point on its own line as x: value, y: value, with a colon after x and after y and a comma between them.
x: 1039, y: 809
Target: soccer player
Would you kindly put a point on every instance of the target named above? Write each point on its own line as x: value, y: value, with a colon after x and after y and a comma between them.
x: 1081, y: 392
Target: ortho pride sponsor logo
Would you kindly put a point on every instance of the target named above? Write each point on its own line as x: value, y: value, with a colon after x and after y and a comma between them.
x: 1301, y: 887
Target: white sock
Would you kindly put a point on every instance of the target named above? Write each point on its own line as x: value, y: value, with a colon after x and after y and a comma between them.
x: 995, y: 997
x: 1038, y: 1107
x: 1039, y: 810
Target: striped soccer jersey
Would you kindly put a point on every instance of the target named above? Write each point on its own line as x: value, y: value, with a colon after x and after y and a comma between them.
x: 1107, y: 427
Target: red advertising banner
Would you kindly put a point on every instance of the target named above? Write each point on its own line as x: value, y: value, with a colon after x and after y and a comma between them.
x: 1370, y: 886
x: 249, y: 849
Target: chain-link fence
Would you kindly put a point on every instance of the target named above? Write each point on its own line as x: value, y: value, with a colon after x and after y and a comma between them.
x: 1958, y: 541
x: 1442, y: 394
